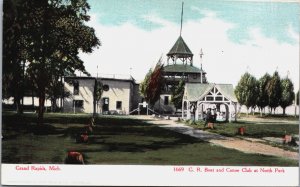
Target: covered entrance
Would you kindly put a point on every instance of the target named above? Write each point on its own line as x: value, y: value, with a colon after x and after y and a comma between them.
x: 199, y: 97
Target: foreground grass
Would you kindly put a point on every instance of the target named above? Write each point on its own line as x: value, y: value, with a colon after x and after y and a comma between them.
x: 255, y: 130
x: 115, y: 140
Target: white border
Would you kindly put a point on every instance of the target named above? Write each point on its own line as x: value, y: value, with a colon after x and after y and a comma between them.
x: 138, y: 175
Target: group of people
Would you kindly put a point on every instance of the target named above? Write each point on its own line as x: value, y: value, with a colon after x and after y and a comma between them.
x: 210, y: 117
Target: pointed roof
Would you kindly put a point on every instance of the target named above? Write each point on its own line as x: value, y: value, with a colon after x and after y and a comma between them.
x: 180, y: 49
x: 197, y: 91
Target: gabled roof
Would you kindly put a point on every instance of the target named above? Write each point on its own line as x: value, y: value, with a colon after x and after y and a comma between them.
x: 180, y: 49
x: 181, y: 68
x: 197, y: 91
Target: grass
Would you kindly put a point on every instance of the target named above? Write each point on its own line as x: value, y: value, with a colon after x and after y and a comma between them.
x: 255, y: 130
x: 115, y: 140
x: 252, y: 129
x: 271, y: 116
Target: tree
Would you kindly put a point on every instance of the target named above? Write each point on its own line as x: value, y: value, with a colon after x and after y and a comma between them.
x: 177, y: 94
x: 287, y: 93
x: 247, y: 91
x: 155, y: 85
x: 54, y: 92
x: 274, y: 91
x: 98, y: 91
x: 297, y: 98
x: 13, y: 50
x: 144, y: 85
x: 53, y: 32
x: 263, y: 99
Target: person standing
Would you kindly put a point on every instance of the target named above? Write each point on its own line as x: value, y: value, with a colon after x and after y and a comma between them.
x: 208, y: 117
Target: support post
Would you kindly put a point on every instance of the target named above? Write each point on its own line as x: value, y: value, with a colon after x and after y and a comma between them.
x: 197, y: 112
x: 201, y: 111
x: 296, y: 105
x: 188, y: 112
x: 235, y: 108
x: 182, y: 109
x: 230, y: 119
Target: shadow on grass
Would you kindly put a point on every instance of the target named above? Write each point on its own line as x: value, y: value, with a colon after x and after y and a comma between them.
x: 105, y: 131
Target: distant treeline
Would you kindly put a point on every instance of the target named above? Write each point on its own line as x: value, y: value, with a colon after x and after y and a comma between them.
x: 268, y: 91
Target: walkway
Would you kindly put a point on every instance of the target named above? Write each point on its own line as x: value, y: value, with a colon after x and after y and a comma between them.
x: 248, y: 146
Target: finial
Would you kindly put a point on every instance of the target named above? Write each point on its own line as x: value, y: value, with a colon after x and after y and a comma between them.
x: 181, y: 18
x: 130, y: 69
x: 201, y: 53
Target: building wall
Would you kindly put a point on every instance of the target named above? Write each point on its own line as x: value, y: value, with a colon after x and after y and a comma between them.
x: 118, y: 91
x: 86, y: 90
x: 164, y: 105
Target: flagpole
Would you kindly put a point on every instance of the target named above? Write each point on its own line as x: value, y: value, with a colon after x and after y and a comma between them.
x: 181, y: 18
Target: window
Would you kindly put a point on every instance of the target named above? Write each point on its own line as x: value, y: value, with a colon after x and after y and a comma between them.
x: 209, y: 98
x: 166, y: 101
x: 105, y: 87
x: 78, y: 103
x: 119, y: 105
x: 219, y: 98
x: 76, y: 88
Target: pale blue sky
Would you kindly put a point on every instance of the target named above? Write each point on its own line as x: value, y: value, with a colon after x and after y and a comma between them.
x: 273, y: 18
x: 236, y: 36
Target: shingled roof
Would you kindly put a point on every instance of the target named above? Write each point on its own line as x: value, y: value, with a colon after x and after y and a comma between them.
x: 197, y: 91
x: 182, y: 68
x: 180, y: 49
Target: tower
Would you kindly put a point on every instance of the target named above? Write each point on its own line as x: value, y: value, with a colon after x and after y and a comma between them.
x: 181, y: 66
x: 180, y: 50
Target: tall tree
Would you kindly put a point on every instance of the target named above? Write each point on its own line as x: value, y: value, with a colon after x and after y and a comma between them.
x: 263, y: 99
x: 156, y: 82
x: 287, y: 93
x: 297, y: 98
x: 98, y: 91
x: 14, y: 53
x: 54, y: 32
x: 144, y: 85
x: 247, y: 91
x: 274, y: 91
x: 177, y: 94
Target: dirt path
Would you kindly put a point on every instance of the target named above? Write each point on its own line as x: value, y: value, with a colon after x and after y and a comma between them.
x: 246, y: 146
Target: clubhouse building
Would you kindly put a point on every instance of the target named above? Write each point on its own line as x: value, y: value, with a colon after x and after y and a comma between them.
x: 121, y: 94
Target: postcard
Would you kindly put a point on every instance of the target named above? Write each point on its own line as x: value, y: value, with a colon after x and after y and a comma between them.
x: 150, y: 93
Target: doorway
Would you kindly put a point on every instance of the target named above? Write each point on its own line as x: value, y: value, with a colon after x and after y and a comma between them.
x: 105, y: 106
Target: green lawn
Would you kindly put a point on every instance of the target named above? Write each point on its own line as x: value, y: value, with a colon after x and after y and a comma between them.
x: 115, y: 140
x: 270, y: 116
x: 253, y: 129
